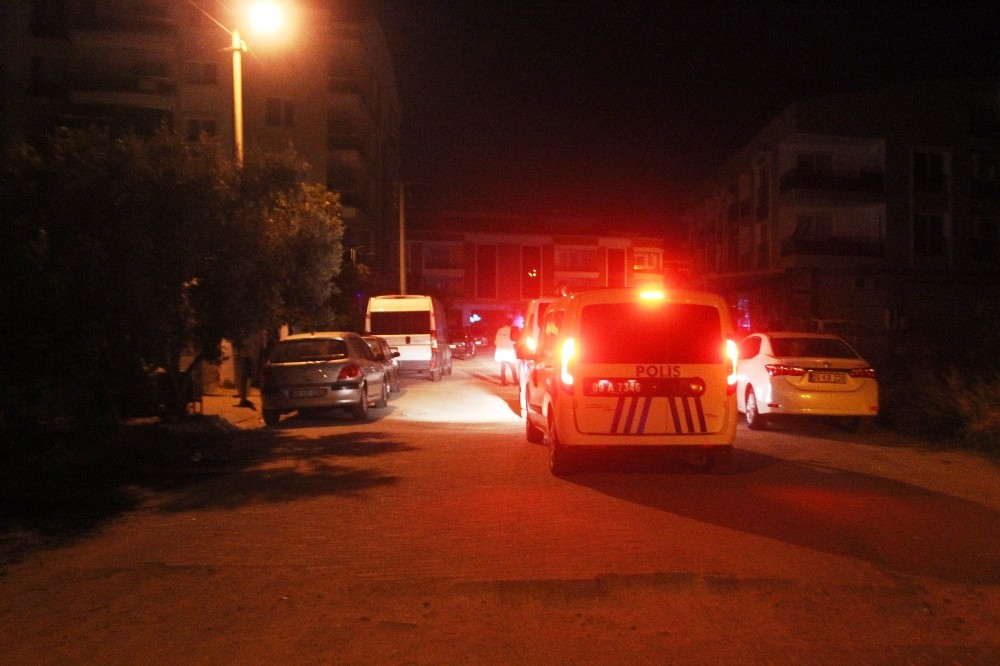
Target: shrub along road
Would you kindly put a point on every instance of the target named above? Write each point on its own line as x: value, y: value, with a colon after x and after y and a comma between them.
x: 435, y: 534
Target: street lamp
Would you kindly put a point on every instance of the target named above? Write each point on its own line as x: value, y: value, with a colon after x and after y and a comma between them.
x: 264, y: 17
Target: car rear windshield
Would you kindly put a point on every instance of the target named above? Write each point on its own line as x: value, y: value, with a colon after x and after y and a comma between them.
x: 406, y: 322
x: 822, y: 347
x: 650, y: 333
x: 298, y: 351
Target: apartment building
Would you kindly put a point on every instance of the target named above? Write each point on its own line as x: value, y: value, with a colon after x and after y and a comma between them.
x: 323, y: 84
x: 486, y: 266
x: 880, y: 207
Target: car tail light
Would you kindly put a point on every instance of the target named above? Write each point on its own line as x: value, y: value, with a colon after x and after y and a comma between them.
x: 781, y: 370
x: 434, y: 340
x: 351, y: 371
x: 568, y: 363
x: 863, y: 373
x: 731, y: 367
x: 531, y: 343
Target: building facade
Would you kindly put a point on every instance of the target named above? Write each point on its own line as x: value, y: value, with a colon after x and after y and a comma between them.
x: 487, y: 266
x: 881, y: 208
x: 323, y: 85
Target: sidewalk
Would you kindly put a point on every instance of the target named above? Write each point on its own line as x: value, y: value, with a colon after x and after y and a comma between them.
x: 224, y: 403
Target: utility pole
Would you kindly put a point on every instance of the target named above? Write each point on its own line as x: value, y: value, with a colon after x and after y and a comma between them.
x: 401, y: 188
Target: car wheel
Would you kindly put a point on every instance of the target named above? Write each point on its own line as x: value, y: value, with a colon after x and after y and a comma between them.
x: 271, y: 417
x: 360, y: 409
x: 755, y: 420
x: 532, y: 432
x: 559, y: 459
x: 383, y: 398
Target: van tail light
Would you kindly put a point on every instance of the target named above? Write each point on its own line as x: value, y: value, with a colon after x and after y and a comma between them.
x: 351, y: 371
x: 781, y: 370
x: 567, y: 364
x: 731, y: 367
x: 862, y: 373
x: 434, y: 340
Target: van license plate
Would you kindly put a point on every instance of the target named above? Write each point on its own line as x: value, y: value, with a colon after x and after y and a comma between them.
x: 613, y: 387
x: 827, y: 378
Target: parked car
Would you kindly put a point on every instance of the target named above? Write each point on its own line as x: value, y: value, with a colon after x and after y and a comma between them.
x: 387, y: 356
x: 321, y: 371
x: 803, y: 374
x: 463, y: 346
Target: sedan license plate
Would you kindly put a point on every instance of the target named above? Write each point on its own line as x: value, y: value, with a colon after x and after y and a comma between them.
x: 306, y: 393
x: 827, y: 378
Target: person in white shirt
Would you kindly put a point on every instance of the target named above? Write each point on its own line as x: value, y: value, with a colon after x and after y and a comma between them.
x: 504, y: 352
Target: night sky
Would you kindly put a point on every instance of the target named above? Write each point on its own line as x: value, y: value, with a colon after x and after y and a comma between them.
x: 620, y: 108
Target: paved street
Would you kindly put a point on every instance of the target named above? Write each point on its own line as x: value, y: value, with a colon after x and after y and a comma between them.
x: 435, y: 534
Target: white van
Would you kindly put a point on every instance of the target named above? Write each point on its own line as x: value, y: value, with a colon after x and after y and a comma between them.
x: 417, y: 327
x: 634, y: 368
x: 527, y: 343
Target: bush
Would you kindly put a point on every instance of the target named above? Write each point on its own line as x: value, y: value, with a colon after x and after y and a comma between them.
x: 926, y: 392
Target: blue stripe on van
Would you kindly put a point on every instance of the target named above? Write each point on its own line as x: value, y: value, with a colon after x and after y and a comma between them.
x: 618, y: 414
x: 674, y: 415
x: 645, y: 414
x: 687, y: 415
x: 633, y: 403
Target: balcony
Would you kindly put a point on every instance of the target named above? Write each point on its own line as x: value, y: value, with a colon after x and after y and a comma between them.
x: 151, y: 92
x: 813, y: 180
x: 833, y: 246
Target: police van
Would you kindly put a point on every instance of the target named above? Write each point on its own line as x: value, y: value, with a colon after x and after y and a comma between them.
x: 417, y: 327
x: 634, y: 367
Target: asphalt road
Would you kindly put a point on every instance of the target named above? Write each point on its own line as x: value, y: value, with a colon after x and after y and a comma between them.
x: 435, y: 534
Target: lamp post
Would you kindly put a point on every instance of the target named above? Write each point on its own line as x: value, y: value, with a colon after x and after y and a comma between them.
x: 238, y: 47
x: 264, y: 17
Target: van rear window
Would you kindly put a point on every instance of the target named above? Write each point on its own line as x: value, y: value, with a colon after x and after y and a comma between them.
x: 645, y: 333
x: 405, y: 322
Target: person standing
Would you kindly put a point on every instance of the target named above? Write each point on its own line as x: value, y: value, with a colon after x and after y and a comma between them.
x: 504, y: 352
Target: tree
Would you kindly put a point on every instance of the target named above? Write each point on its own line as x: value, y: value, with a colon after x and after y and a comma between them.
x: 128, y: 254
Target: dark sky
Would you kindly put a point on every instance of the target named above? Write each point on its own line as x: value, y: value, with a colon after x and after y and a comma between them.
x: 621, y: 107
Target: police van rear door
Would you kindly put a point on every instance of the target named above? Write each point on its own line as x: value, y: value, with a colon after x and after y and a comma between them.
x: 650, y: 368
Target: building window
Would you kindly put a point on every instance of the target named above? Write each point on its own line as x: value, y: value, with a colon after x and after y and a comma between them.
x: 986, y: 239
x: 815, y: 226
x: 443, y: 255
x: 279, y: 112
x: 576, y: 259
x: 928, y: 235
x: 813, y: 162
x: 531, y: 272
x: 486, y: 271
x: 46, y: 78
x: 928, y: 172
x: 49, y: 18
x: 198, y: 126
x: 646, y: 260
x: 201, y: 73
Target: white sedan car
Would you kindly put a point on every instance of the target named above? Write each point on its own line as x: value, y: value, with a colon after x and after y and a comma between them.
x: 810, y: 374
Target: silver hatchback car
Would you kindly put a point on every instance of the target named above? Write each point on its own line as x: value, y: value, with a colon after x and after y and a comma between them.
x: 321, y: 371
